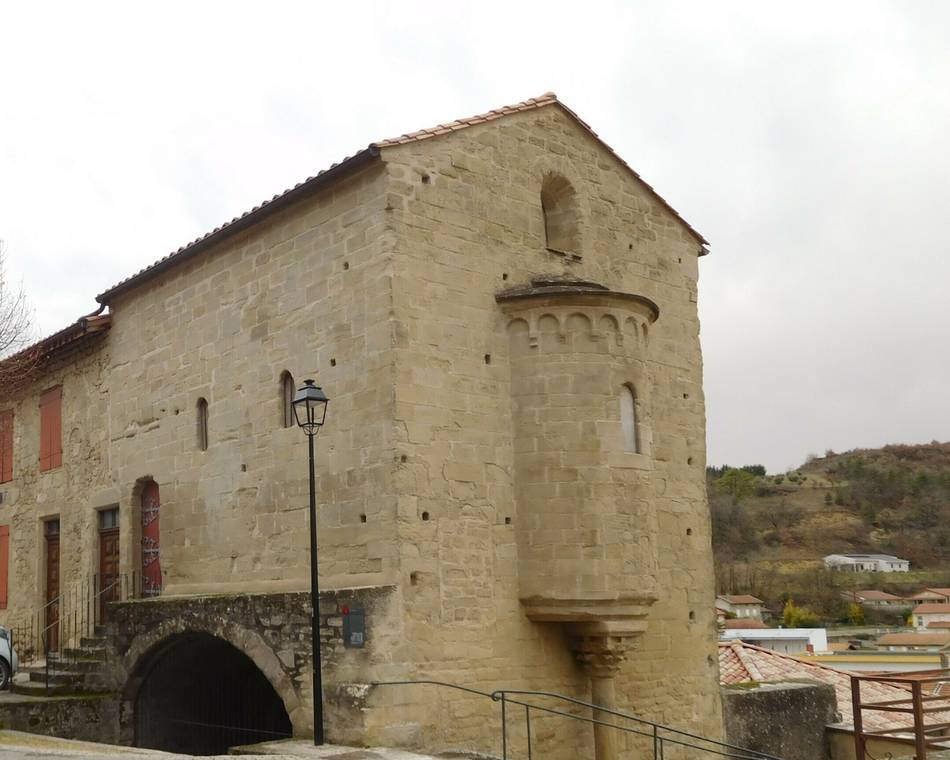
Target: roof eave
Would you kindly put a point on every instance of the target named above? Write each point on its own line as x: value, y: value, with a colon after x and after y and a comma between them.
x: 301, y: 191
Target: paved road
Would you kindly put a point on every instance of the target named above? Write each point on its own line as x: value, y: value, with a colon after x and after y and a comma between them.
x: 15, y: 745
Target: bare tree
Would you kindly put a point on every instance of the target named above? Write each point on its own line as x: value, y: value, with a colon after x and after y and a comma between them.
x: 17, y: 361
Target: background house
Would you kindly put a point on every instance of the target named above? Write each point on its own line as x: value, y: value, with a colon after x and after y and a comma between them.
x: 876, y: 599
x: 858, y: 563
x: 930, y: 612
x: 740, y: 605
x: 914, y: 642
x: 939, y: 595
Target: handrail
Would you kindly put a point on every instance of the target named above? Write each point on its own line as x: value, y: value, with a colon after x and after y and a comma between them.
x: 679, y: 738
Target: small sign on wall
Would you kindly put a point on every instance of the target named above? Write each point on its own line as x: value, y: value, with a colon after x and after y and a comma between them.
x: 354, y: 627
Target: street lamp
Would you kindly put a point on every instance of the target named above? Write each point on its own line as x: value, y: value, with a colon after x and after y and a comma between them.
x: 310, y: 410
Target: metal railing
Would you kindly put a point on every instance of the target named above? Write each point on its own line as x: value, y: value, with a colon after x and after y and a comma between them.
x: 79, y: 610
x: 661, y: 736
x: 925, y: 698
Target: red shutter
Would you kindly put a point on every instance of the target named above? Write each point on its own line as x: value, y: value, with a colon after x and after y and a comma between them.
x: 6, y: 446
x: 4, y: 563
x: 51, y: 444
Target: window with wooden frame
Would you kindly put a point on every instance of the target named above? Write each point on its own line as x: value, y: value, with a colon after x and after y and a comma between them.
x: 6, y: 446
x: 51, y: 428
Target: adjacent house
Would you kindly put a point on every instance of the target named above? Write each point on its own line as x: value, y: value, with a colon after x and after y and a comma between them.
x: 930, y: 612
x: 740, y: 605
x: 862, y: 563
x: 914, y: 642
x: 939, y: 595
x: 876, y: 599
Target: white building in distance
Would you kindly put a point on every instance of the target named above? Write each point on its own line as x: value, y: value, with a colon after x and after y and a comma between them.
x: 784, y: 640
x: 859, y: 563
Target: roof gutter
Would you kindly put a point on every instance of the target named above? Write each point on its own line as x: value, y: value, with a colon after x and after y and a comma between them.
x: 279, y: 202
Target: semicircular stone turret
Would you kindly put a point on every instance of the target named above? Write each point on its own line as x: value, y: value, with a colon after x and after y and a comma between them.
x: 586, y: 528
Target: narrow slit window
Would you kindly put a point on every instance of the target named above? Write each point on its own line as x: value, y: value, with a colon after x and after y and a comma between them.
x: 628, y: 419
x: 202, y: 424
x: 287, y: 399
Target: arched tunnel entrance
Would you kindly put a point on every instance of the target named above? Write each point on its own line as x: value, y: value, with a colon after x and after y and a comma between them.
x: 199, y: 695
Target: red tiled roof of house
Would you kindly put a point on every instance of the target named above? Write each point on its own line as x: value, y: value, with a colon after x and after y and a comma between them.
x: 739, y: 662
x: 942, y: 591
x: 933, y: 608
x: 324, y: 177
x: 741, y: 599
x: 744, y: 623
x: 872, y: 595
x: 60, y: 340
x: 927, y: 594
x: 914, y: 639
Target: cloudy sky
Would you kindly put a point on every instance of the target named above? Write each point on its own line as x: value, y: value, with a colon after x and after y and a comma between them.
x: 807, y: 141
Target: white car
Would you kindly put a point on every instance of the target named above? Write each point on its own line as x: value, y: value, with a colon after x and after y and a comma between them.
x: 8, y: 659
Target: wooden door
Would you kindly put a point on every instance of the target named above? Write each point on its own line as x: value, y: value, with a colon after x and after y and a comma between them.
x: 151, y: 566
x: 51, y: 529
x: 108, y: 560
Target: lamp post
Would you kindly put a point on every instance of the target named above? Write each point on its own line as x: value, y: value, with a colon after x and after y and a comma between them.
x: 310, y: 410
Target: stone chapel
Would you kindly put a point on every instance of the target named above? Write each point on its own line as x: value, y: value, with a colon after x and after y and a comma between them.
x: 510, y: 480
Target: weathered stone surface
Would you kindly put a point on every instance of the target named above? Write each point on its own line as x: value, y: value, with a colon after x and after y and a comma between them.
x: 90, y: 718
x: 783, y: 719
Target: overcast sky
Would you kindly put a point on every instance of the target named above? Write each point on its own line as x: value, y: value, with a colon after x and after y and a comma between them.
x: 807, y: 141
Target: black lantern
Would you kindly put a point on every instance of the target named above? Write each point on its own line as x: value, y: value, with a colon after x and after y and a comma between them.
x: 310, y: 407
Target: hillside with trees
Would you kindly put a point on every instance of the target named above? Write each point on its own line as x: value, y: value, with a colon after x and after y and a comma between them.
x: 770, y: 532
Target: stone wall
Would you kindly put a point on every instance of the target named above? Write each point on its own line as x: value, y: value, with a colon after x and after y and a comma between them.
x: 88, y: 718
x: 468, y: 222
x: 64, y: 492
x: 273, y: 630
x: 306, y: 291
x: 806, y: 708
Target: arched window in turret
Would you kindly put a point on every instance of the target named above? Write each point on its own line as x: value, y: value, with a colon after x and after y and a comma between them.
x: 628, y: 419
x: 286, y: 399
x: 559, y: 207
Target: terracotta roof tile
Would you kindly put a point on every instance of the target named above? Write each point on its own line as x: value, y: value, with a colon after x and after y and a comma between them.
x: 872, y: 595
x: 740, y: 662
x: 932, y: 608
x: 914, y: 639
x: 288, y: 196
x: 741, y: 599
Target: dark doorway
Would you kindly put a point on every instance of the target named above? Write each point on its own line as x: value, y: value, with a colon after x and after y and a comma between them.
x: 201, y: 696
x: 51, y: 630
x: 108, y: 560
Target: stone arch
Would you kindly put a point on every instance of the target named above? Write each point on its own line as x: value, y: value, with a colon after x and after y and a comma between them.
x: 147, y: 648
x: 551, y: 173
x: 561, y: 214
x: 549, y: 323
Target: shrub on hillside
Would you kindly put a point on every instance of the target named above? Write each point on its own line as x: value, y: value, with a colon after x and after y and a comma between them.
x: 799, y: 617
